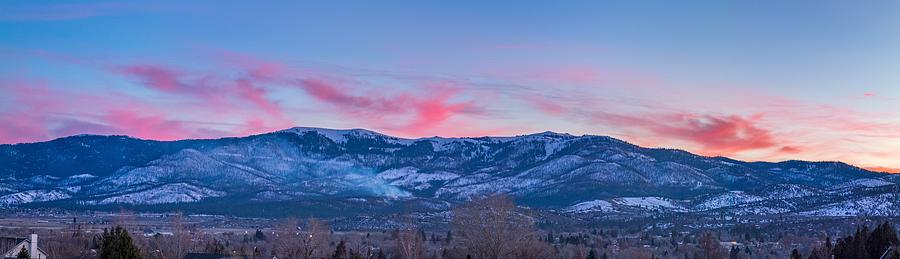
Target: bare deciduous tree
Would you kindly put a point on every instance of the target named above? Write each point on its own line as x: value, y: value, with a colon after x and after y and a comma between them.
x: 410, y: 244
x: 314, y: 241
x: 361, y: 246
x: 311, y: 242
x: 64, y: 245
x: 174, y: 246
x: 287, y: 239
x: 491, y: 228
x: 710, y: 246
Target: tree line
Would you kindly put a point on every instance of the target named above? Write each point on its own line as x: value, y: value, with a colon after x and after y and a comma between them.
x: 488, y: 227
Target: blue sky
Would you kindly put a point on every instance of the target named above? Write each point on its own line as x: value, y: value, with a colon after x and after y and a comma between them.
x: 756, y: 80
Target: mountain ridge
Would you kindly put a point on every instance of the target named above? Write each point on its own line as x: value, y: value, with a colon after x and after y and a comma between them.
x: 876, y: 169
x: 302, y: 165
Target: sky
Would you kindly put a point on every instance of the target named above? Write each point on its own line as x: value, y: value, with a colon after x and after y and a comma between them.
x: 752, y: 80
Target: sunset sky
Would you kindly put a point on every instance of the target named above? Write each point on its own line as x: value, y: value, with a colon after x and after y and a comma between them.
x: 752, y: 80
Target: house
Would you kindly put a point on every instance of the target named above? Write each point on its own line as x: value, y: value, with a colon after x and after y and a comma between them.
x: 11, y: 246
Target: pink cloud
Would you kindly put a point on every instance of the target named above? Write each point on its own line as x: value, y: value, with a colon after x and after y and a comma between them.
x: 715, y: 135
x: 790, y: 149
x: 423, y: 111
x: 545, y: 105
x: 40, y: 113
x: 434, y: 110
x: 256, y: 126
x: 883, y: 169
x: 256, y: 68
x: 242, y: 93
x: 69, y: 127
x: 214, y: 89
x: 580, y: 75
x: 249, y: 91
x: 330, y: 93
x: 147, y: 124
x: 20, y: 127
x: 155, y: 76
x: 26, y: 117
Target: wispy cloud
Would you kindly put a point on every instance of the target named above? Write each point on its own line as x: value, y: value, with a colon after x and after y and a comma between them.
x: 714, y: 134
x: 38, y: 115
x: 240, y: 94
x: 417, y: 112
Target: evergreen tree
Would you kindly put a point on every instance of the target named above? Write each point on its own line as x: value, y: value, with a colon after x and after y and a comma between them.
x: 23, y: 253
x: 881, y: 238
x: 380, y: 255
x: 592, y: 254
x: 215, y: 247
x: 259, y: 236
x: 735, y: 251
x: 117, y: 244
x: 340, y: 251
x: 796, y: 254
x: 865, y: 244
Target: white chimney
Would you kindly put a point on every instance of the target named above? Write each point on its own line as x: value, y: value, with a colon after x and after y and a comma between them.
x: 33, y: 250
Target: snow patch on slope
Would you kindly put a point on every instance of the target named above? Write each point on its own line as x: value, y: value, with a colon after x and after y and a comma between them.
x: 340, y: 136
x: 865, y: 182
x: 169, y: 193
x: 32, y: 196
x: 881, y: 205
x: 655, y: 203
x: 590, y: 206
x: 788, y: 191
x: 625, y: 204
x: 728, y: 199
x: 410, y: 177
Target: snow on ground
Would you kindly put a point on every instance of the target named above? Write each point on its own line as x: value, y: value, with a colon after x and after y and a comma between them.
x: 396, y: 173
x: 340, y: 136
x: 410, y: 177
x: 865, y: 182
x: 32, y: 196
x: 82, y: 176
x: 170, y: 193
x: 728, y: 199
x: 590, y: 206
x: 611, y: 205
x: 880, y: 205
x: 787, y: 191
x: 654, y: 203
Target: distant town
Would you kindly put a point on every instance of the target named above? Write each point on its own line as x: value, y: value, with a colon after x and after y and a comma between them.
x: 490, y: 227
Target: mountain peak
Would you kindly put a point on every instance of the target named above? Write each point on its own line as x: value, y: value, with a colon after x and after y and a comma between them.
x: 338, y: 135
x: 554, y: 134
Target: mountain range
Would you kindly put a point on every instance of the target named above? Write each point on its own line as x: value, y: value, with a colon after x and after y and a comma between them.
x: 329, y: 172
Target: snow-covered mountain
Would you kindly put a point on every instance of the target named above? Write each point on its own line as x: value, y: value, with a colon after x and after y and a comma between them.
x: 316, y: 168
